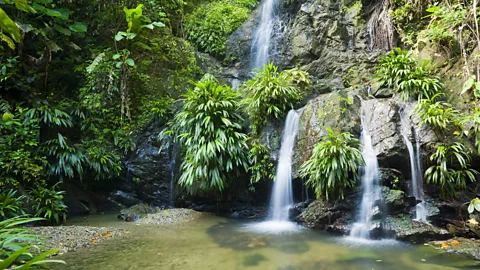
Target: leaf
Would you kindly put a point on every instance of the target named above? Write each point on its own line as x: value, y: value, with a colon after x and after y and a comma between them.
x: 130, y: 62
x: 158, y: 24
x: 468, y: 84
x: 9, y: 42
x: 9, y: 26
x: 119, y: 36
x: 52, y: 46
x: 95, y: 62
x: 24, y: 6
x: 78, y: 27
x: 62, y: 30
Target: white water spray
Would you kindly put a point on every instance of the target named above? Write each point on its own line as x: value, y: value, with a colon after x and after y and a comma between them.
x: 370, y: 191
x: 415, y: 167
x: 282, y: 195
x: 262, y: 38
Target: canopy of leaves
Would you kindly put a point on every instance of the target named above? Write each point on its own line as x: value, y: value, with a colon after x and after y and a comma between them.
x: 333, y: 166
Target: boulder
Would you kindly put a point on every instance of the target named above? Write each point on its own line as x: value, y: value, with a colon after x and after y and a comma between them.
x: 334, y: 216
x: 406, y: 229
x: 396, y: 201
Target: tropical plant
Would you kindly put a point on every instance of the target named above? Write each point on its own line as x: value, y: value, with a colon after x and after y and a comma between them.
x: 261, y: 164
x: 209, y: 25
x: 10, y: 204
x: 209, y: 128
x: 15, y: 243
x: 474, y: 205
x: 270, y: 94
x: 334, y: 163
x: 451, y: 168
x: 399, y: 70
x: 19, y: 160
x: 471, y: 84
x: 439, y: 114
x: 48, y: 203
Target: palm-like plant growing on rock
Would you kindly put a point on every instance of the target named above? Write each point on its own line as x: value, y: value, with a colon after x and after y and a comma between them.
x: 333, y: 166
x: 209, y: 128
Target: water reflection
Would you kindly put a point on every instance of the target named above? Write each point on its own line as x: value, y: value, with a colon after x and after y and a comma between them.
x: 217, y: 243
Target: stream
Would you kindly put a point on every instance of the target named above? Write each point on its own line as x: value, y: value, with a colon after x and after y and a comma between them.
x: 211, y: 242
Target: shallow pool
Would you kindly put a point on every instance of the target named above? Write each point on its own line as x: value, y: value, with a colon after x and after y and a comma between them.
x: 211, y: 242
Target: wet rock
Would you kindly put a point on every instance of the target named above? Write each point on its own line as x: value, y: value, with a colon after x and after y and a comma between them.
x: 407, y: 229
x: 396, y: 201
x: 326, y: 215
x: 136, y: 212
x: 392, y: 178
x: 169, y: 216
x: 338, y: 111
x: 458, y: 245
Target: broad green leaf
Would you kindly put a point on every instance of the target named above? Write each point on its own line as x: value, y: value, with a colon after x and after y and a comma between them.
x: 130, y: 62
x: 78, y: 27
x: 9, y: 26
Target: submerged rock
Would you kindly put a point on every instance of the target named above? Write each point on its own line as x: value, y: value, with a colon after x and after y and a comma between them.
x: 136, y: 212
x: 169, y: 216
x: 458, y: 245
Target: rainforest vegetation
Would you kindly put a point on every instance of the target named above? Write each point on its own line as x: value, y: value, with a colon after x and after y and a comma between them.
x: 79, y: 80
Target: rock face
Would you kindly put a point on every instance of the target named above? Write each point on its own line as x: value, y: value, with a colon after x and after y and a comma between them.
x: 150, y: 169
x: 329, y: 39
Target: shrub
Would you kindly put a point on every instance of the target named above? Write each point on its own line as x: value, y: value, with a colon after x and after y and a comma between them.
x: 399, y: 70
x: 16, y: 241
x: 451, y: 168
x: 439, y: 114
x: 334, y: 160
x: 209, y: 128
x: 271, y: 93
x: 48, y: 203
x: 10, y: 204
x: 261, y: 164
x: 209, y: 25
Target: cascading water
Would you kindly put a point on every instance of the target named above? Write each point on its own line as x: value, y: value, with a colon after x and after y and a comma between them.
x: 172, y: 174
x: 415, y: 166
x: 262, y: 38
x: 282, y: 197
x: 370, y: 191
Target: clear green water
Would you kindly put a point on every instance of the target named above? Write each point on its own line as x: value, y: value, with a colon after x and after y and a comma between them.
x: 212, y: 242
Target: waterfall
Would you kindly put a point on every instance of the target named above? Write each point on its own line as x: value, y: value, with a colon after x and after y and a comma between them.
x: 262, y: 37
x: 282, y: 197
x: 172, y: 174
x: 415, y: 166
x: 370, y: 190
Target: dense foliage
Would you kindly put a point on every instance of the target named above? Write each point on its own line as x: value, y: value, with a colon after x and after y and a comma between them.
x: 270, y: 94
x: 209, y: 128
x: 209, y: 25
x: 333, y: 166
x: 399, y: 70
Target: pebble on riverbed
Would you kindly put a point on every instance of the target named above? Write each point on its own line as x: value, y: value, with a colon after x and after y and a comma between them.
x: 169, y: 216
x: 70, y: 238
